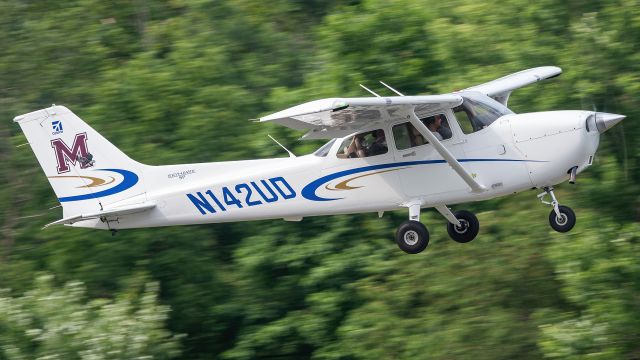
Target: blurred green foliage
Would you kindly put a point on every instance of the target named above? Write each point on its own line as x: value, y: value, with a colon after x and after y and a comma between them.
x: 176, y: 81
x: 52, y: 323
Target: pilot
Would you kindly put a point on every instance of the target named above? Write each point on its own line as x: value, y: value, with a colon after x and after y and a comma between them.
x: 379, y: 145
x: 434, y: 124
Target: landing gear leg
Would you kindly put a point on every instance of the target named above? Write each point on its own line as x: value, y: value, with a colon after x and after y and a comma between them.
x: 412, y: 236
x: 561, y: 218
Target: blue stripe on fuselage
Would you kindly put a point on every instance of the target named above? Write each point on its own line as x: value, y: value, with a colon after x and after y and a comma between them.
x: 309, y: 191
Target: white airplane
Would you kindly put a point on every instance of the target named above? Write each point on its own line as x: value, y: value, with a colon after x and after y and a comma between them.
x: 385, y: 153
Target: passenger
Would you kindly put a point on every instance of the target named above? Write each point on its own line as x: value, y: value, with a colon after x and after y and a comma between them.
x: 360, y: 146
x: 355, y: 149
x: 379, y: 145
x: 416, y: 138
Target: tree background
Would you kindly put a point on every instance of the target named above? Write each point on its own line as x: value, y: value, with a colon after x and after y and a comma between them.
x: 175, y: 81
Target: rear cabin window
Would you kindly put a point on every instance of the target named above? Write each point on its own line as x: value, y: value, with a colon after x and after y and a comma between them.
x: 370, y: 143
x: 407, y: 136
x: 324, y: 149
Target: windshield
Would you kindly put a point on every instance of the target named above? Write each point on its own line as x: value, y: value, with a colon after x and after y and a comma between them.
x: 478, y: 111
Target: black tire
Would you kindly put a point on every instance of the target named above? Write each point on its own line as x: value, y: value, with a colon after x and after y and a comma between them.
x: 566, y: 221
x: 468, y: 231
x: 412, y: 237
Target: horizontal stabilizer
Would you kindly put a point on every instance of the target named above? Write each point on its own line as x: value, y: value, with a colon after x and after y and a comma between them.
x: 119, y: 211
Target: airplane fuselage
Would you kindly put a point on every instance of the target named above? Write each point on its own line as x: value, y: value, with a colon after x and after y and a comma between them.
x: 515, y: 153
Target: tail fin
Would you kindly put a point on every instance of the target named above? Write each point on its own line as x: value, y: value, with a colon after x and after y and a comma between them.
x: 86, y: 171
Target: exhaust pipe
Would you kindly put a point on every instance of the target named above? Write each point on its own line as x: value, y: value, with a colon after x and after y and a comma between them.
x: 573, y: 172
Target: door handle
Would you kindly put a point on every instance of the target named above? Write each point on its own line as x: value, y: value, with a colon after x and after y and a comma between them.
x: 413, y: 153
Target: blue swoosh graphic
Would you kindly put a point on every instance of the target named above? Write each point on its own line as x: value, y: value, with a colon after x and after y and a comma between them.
x: 309, y: 191
x: 128, y: 181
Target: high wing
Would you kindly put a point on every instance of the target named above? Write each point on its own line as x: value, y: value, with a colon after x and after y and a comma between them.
x: 330, y: 118
x: 501, y: 88
x: 337, y: 117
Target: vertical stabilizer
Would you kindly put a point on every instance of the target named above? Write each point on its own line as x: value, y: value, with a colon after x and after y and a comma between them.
x: 86, y: 171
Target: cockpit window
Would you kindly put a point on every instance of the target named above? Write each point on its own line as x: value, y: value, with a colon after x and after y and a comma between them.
x: 406, y: 135
x: 370, y: 143
x: 324, y: 149
x: 478, y: 111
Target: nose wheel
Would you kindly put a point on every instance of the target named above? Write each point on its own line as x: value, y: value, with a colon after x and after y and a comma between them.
x: 562, y: 218
x: 563, y: 222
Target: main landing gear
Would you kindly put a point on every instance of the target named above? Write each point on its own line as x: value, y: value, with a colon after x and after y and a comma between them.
x: 468, y: 228
x: 561, y: 218
x: 412, y: 236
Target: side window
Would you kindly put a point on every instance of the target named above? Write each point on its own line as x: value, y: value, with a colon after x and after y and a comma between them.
x: 402, y: 137
x: 370, y: 143
x: 407, y: 136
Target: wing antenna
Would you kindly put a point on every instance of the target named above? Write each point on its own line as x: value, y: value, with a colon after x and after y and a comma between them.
x: 392, y: 89
x: 369, y: 90
x: 282, y: 146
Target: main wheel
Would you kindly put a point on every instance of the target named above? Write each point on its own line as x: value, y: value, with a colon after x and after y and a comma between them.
x: 468, y: 229
x: 412, y: 237
x: 565, y: 221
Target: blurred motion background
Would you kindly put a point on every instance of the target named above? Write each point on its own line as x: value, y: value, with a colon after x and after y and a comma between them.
x: 176, y: 81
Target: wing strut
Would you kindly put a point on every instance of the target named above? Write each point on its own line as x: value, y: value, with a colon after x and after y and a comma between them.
x: 455, y: 165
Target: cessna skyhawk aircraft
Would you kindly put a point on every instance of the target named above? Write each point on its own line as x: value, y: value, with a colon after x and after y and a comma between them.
x: 384, y: 153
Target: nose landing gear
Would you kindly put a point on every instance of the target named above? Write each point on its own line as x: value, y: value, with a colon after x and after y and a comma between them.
x: 561, y: 218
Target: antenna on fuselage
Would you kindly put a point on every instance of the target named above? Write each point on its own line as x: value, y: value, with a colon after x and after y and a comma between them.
x: 392, y: 89
x: 292, y: 155
x: 369, y: 90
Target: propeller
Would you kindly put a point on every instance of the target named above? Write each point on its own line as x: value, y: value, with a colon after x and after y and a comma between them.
x: 605, y: 121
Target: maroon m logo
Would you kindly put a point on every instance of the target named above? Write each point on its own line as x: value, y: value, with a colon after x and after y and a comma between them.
x: 77, y: 153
